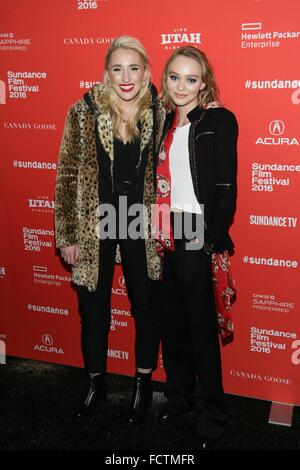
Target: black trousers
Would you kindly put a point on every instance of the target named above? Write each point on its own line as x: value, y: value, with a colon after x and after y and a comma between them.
x: 190, y: 341
x: 95, y: 307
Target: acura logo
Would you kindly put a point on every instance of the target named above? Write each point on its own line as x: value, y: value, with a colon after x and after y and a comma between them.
x: 47, y: 340
x: 122, y: 282
x: 276, y: 127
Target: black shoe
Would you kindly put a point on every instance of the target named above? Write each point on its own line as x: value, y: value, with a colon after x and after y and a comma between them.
x: 209, y: 443
x: 141, y: 399
x: 96, y: 395
x: 165, y: 415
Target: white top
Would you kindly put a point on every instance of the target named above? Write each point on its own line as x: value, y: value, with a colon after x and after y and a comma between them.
x: 183, y: 197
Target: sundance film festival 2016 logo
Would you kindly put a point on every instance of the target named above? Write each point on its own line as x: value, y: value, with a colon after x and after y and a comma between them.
x: 266, y: 341
x: 116, y: 322
x: 276, y: 130
x: 264, y: 178
x: 180, y: 37
x: 34, y: 239
x: 18, y: 85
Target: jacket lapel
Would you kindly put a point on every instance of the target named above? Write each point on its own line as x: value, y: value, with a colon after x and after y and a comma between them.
x: 147, y: 127
x: 104, y: 126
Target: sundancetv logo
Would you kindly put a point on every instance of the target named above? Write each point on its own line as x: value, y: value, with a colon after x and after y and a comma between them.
x: 2, y: 92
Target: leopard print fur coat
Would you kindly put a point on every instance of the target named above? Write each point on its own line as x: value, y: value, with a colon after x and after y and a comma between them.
x: 76, y: 195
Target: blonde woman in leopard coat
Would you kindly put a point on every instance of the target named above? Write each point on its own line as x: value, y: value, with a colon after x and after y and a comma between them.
x: 106, y: 157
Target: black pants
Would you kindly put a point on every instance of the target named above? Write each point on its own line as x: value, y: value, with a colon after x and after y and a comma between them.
x: 95, y: 307
x: 190, y: 340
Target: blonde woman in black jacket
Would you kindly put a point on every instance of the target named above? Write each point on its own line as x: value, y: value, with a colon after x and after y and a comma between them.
x: 196, y: 176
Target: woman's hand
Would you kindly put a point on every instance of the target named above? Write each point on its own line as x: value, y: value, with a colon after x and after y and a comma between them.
x: 213, y: 104
x: 70, y: 254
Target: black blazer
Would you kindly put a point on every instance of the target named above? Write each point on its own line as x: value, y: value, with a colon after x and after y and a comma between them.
x: 213, y: 162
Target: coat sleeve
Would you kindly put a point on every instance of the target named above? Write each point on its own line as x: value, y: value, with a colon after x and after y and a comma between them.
x: 225, y: 162
x: 66, y: 216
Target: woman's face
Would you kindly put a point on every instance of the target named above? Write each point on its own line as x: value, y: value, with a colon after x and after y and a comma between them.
x: 184, y: 82
x: 127, y: 73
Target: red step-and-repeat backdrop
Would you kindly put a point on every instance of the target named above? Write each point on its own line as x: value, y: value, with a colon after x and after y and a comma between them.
x: 51, y: 53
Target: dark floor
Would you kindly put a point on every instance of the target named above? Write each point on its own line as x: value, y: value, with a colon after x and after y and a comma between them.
x: 38, y: 402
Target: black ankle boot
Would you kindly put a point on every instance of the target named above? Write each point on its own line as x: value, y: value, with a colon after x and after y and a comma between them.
x: 95, y: 396
x: 141, y: 399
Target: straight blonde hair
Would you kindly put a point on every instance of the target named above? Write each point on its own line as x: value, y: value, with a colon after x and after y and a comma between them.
x: 110, y: 99
x: 210, y: 91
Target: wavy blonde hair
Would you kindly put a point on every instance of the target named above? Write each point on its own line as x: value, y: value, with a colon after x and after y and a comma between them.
x: 210, y: 91
x: 110, y: 99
